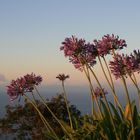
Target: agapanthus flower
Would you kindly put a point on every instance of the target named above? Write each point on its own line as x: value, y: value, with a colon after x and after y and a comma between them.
x: 135, y: 57
x: 77, y: 51
x: 108, y: 43
x: 130, y: 64
x: 117, y: 66
x: 22, y: 85
x: 99, y: 93
x: 62, y: 77
x: 124, y: 65
x: 15, y: 89
x: 91, y: 53
x: 72, y: 46
x: 31, y: 81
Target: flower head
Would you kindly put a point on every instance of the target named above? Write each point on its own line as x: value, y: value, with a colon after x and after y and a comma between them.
x: 135, y: 57
x: 62, y: 77
x: 124, y: 65
x: 15, y: 89
x: 72, y: 46
x: 99, y: 93
x: 32, y: 80
x: 108, y: 43
x: 79, y: 52
x: 22, y: 85
x: 117, y: 66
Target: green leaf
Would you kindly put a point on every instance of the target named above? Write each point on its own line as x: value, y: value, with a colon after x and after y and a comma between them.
x: 135, y: 117
x: 127, y: 110
x: 117, y: 116
x: 121, y: 112
x: 106, y: 113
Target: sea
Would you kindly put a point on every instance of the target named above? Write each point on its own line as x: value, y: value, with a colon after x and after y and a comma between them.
x: 77, y: 95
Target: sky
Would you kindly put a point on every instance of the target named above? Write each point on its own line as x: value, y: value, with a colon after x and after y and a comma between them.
x: 31, y: 32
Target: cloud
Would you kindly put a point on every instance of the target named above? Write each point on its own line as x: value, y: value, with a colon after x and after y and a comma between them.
x: 2, y: 78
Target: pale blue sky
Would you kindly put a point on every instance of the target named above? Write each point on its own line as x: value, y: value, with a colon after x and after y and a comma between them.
x: 31, y: 32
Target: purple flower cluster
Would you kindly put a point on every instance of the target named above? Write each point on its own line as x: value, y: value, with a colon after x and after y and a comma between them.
x: 117, y: 66
x: 124, y: 64
x: 135, y: 57
x: 99, y: 93
x: 22, y: 85
x: 62, y: 77
x: 108, y: 43
x: 81, y: 53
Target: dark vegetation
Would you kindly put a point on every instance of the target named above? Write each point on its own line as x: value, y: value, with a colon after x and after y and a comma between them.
x: 25, y: 123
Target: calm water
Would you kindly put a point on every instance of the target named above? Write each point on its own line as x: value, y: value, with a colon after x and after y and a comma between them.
x: 79, y: 96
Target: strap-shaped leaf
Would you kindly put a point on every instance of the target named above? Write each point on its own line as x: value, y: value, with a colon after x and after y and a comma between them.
x: 117, y: 116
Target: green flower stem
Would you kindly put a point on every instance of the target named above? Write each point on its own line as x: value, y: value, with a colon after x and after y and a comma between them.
x: 108, y: 108
x: 135, y: 84
x: 93, y: 92
x: 135, y: 78
x: 53, y: 115
x: 91, y: 89
x: 111, y: 86
x: 40, y: 114
x: 66, y: 101
x: 33, y: 97
x: 42, y: 117
x: 128, y: 100
x: 112, y: 83
x: 109, y: 72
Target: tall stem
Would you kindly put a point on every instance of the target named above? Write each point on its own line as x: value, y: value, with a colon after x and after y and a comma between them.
x: 108, y: 108
x: 112, y: 83
x: 135, y: 78
x: 135, y: 84
x: 128, y: 100
x: 42, y: 117
x: 53, y: 115
x: 91, y: 89
x: 109, y: 73
x: 111, y: 86
x: 40, y: 114
x: 92, y: 92
x: 66, y: 101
